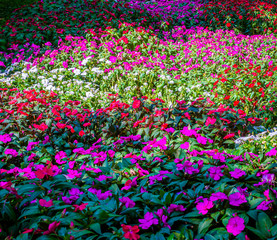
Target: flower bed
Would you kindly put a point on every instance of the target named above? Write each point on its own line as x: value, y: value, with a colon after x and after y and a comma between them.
x: 67, y: 173
x: 120, y: 120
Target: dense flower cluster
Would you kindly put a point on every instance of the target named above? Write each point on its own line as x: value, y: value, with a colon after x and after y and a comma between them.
x: 118, y: 120
x: 74, y: 174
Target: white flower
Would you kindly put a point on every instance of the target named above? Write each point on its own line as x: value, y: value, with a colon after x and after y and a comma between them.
x: 77, y: 71
x: 24, y: 75
x: 171, y: 82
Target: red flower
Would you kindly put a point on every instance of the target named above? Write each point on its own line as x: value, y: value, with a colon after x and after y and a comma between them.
x: 236, y: 103
x: 229, y: 136
x: 81, y: 133
x: 136, y: 104
x: 130, y: 232
x: 164, y: 126
x: 228, y: 25
x: 227, y: 97
x: 81, y: 207
x: 41, y: 173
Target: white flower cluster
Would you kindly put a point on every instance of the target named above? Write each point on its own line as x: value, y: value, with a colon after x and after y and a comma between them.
x: 242, y: 140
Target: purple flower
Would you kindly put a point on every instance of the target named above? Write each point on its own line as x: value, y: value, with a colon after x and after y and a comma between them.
x: 201, y: 139
x: 74, y: 194
x: 59, y: 156
x: 148, y: 221
x: 48, y: 44
x: 188, y: 132
x: 46, y: 140
x: 237, y: 173
x: 175, y: 208
x: 218, y: 196
x: 268, y: 178
x: 264, y: 205
x: 128, y: 202
x: 237, y: 198
x: 170, y: 130
x: 99, y: 194
x: 215, y: 173
x: 187, y: 166
x: 67, y: 200
x: 31, y: 145
x: 185, y: 146
x: 5, y: 138
x: 235, y: 225
x: 10, y: 151
x: 161, y: 144
x: 204, y: 206
x: 103, y: 178
x: 31, y: 157
x: 272, y: 152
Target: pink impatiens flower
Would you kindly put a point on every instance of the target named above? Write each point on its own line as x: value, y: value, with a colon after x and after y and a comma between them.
x: 184, y: 145
x: 235, y: 225
x: 237, y: 173
x: 272, y: 152
x: 51, y: 228
x: 59, y: 156
x: 128, y: 202
x: 12, y: 152
x: 5, y: 138
x: 45, y: 203
x: 264, y: 205
x: 148, y: 221
x: 215, y: 173
x: 237, y: 198
x: 218, y: 196
x: 204, y: 206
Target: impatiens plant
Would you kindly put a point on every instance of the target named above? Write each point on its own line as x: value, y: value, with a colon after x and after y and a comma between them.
x: 139, y: 120
x: 133, y: 184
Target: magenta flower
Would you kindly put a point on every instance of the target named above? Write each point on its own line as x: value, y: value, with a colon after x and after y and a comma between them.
x: 48, y: 44
x: 65, y: 64
x: 202, y: 140
x: 45, y: 203
x: 59, y: 156
x: 99, y: 194
x: 113, y: 59
x: 175, y: 208
x: 264, y: 205
x: 10, y: 151
x: 218, y: 196
x: 31, y: 145
x: 52, y: 227
x: 148, y: 221
x: 272, y: 152
x: 5, y: 138
x: 237, y: 173
x: 188, y: 132
x: 103, y: 178
x: 170, y: 130
x: 128, y: 202
x: 203, y: 207
x: 215, y: 173
x: 237, y: 198
x: 235, y: 225
x: 184, y: 145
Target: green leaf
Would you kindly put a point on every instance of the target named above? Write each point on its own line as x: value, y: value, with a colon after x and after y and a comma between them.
x: 96, y: 227
x: 257, y: 232
x: 204, y: 226
x: 264, y: 223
